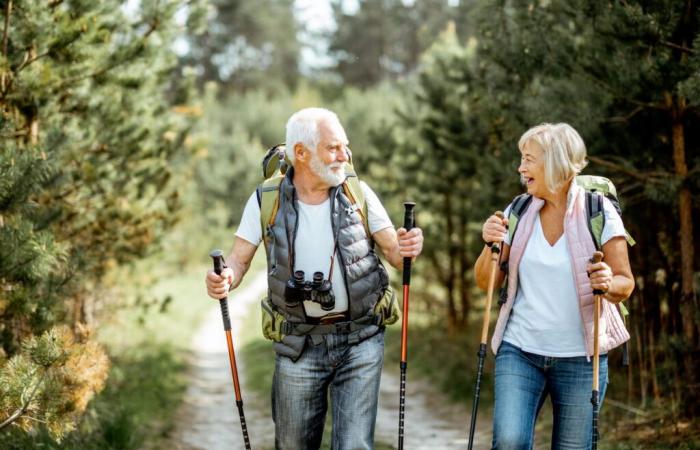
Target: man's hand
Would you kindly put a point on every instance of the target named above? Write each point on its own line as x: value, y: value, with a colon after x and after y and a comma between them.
x: 410, y: 242
x: 218, y: 286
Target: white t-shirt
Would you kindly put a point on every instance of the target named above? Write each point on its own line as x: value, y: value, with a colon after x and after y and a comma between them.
x: 313, y: 246
x: 545, y: 319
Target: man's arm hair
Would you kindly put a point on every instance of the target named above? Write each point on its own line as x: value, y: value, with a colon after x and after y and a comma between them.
x: 388, y: 242
x: 239, y: 260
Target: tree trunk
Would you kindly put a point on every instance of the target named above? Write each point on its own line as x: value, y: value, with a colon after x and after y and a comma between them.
x: 464, y: 263
x: 451, y: 278
x: 678, y: 105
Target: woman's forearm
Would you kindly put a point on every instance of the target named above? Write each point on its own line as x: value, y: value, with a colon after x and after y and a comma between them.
x: 482, y: 269
x: 620, y: 289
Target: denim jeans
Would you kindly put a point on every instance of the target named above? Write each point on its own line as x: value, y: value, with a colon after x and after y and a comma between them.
x: 523, y: 381
x: 300, y: 393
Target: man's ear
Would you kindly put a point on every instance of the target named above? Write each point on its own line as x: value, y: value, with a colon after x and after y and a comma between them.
x: 300, y: 152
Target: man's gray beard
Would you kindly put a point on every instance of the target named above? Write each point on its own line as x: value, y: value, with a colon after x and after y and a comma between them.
x: 324, y: 171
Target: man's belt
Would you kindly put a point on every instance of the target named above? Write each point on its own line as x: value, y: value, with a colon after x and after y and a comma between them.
x: 343, y: 327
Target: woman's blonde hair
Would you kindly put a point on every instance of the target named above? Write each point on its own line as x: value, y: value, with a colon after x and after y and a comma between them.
x: 564, y: 152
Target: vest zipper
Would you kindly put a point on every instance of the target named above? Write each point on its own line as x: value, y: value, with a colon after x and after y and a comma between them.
x: 578, y: 289
x: 337, y: 247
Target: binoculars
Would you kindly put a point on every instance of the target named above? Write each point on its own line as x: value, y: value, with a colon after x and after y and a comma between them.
x: 318, y: 290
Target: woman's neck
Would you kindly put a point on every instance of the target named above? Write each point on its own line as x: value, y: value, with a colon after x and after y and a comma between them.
x: 557, y: 201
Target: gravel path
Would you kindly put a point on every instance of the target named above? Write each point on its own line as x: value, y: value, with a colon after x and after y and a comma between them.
x: 208, y: 418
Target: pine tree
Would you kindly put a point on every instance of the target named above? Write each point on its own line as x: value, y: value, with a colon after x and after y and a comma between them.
x: 439, y: 150
x: 93, y: 132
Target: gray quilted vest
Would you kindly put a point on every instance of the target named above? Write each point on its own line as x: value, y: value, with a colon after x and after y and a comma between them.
x: 364, y: 276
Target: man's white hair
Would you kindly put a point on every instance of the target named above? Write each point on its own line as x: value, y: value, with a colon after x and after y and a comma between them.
x: 564, y: 152
x: 302, y: 128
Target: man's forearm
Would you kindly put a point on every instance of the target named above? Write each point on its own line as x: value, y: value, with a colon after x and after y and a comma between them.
x: 239, y: 269
x: 240, y: 258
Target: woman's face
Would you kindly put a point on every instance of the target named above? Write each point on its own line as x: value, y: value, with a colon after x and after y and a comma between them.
x: 531, y: 169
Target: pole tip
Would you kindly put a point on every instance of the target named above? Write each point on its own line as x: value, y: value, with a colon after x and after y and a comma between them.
x: 499, y: 214
x: 216, y: 253
x: 597, y: 257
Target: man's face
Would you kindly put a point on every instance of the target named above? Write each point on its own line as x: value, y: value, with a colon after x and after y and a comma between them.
x: 328, y: 162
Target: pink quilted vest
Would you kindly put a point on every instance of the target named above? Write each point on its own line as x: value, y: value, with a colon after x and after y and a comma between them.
x: 581, y: 248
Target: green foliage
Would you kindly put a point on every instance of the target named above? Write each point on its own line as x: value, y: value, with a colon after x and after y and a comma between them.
x: 246, y: 44
x: 383, y: 40
x: 92, y: 145
x: 51, y: 381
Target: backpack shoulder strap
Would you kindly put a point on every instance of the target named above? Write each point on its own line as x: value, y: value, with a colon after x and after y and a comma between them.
x: 596, y: 217
x: 269, y: 201
x: 353, y: 190
x: 517, y: 208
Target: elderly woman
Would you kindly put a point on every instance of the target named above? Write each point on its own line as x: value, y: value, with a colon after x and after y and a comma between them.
x: 543, y: 339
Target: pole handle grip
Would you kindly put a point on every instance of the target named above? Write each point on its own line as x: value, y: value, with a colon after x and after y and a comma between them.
x: 409, y: 215
x: 219, y: 263
x: 218, y: 257
x: 595, y: 259
x: 408, y: 223
x: 492, y: 245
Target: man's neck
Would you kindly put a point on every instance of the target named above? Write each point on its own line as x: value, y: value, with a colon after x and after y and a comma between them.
x: 311, y: 189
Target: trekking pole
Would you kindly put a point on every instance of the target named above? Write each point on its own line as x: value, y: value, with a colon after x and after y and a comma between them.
x: 597, y: 293
x: 218, y: 257
x: 495, y: 255
x: 407, y: 224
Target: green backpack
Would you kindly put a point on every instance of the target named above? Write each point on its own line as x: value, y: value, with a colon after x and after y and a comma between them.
x: 596, y: 188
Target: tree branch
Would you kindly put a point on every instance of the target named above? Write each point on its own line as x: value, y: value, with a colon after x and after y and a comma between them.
x: 652, y: 177
x: 677, y: 47
x: 14, y: 416
x: 27, y: 61
x: 20, y: 412
x: 634, y: 112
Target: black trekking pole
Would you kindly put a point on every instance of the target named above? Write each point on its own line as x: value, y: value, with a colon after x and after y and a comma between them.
x: 495, y: 255
x: 597, y: 293
x: 218, y: 257
x: 407, y: 224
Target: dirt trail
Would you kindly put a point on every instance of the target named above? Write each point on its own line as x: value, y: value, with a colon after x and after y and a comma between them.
x: 209, y: 420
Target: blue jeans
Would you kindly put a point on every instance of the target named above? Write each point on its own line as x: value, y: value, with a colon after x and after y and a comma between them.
x: 523, y: 381
x: 300, y: 393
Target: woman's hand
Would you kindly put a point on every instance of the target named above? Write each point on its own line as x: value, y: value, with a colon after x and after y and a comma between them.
x: 601, y: 276
x: 494, y: 229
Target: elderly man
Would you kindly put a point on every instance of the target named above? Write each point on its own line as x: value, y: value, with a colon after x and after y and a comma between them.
x: 323, y: 337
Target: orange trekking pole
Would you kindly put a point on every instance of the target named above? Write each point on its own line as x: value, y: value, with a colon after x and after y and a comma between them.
x: 408, y: 221
x: 597, y: 293
x: 218, y: 257
x: 495, y: 256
